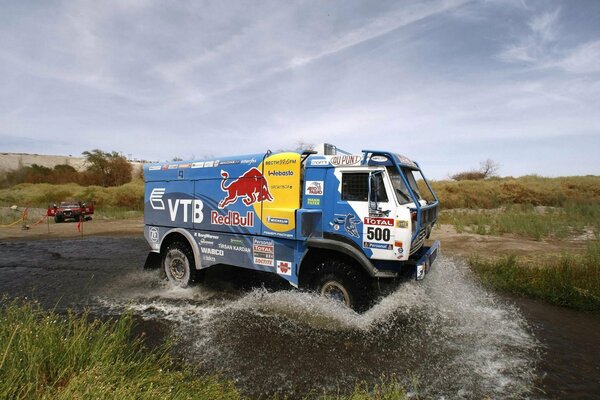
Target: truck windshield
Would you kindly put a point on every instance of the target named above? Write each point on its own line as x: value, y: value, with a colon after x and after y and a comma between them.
x: 400, y: 188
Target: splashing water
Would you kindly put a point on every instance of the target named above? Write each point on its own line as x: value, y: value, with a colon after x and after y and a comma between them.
x: 445, y: 337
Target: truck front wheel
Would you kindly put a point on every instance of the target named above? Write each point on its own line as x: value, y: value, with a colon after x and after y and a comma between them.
x: 178, y: 264
x: 342, y: 282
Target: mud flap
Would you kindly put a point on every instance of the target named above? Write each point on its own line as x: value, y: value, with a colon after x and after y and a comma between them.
x: 427, y: 260
x: 152, y: 261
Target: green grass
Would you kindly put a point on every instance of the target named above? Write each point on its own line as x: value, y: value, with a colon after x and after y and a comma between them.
x: 44, y: 355
x: 569, y: 280
x: 526, y: 220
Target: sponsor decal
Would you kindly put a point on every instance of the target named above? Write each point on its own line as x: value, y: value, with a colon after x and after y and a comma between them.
x: 275, y: 220
x: 282, y: 187
x: 208, y: 164
x: 251, y: 187
x: 216, y: 163
x: 313, y: 201
x: 284, y: 268
x: 173, y: 166
x: 249, y: 161
x: 340, y: 161
x: 237, y: 242
x: 349, y: 221
x: 206, y: 238
x: 402, y: 224
x: 379, y: 158
x: 281, y: 161
x: 382, y: 246
x: 314, y: 188
x: 184, y: 166
x: 189, y: 207
x: 226, y: 246
x: 405, y: 160
x: 165, y: 167
x: 180, y: 174
x: 281, y: 173
x: 319, y: 162
x: 156, y: 198
x: 153, y: 234
x: 154, y: 168
x: 379, y: 221
x: 212, y: 252
x: 198, y: 164
x: 232, y: 218
x: 229, y: 162
x: 263, y: 251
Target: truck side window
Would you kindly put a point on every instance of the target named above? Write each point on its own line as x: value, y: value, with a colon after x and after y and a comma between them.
x: 355, y: 186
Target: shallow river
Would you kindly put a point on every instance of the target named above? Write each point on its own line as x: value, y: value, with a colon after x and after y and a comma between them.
x: 445, y: 337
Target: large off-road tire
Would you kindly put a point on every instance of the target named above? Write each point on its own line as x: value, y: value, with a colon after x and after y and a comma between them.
x: 58, y: 219
x: 178, y: 264
x: 341, y: 281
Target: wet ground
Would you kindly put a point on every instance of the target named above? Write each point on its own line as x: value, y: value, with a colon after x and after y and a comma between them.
x: 445, y: 337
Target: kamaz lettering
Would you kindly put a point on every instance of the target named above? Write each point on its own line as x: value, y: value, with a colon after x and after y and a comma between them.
x: 319, y: 219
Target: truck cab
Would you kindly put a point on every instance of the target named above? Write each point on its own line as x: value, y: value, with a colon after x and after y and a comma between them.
x: 325, y: 220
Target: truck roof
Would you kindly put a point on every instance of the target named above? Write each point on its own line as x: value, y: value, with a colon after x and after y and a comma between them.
x: 200, y: 169
x: 211, y: 169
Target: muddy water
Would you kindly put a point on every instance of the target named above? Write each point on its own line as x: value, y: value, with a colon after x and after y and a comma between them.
x: 445, y: 337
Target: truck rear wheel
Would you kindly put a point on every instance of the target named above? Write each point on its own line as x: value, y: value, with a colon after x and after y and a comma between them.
x: 342, y: 282
x: 178, y: 264
x: 58, y: 219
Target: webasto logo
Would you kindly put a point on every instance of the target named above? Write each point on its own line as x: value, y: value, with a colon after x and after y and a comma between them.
x: 232, y: 218
x: 281, y: 173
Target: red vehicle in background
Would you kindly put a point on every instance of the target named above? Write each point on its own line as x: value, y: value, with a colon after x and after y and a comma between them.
x: 75, y: 210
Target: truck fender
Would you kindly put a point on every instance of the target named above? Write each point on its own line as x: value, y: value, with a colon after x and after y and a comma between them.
x: 348, y: 250
x: 190, y: 240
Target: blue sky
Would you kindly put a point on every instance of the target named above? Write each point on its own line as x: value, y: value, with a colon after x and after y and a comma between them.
x: 448, y: 83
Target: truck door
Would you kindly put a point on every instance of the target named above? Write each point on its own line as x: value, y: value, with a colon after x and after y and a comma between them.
x: 370, y: 221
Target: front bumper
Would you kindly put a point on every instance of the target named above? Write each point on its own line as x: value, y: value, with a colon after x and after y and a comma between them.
x: 427, y: 259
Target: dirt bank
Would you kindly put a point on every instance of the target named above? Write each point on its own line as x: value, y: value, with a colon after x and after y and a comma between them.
x: 96, y: 227
x: 453, y: 243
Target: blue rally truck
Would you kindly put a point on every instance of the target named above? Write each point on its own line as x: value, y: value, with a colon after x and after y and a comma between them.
x: 325, y: 220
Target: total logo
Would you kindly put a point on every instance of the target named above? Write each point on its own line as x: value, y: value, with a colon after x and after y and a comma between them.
x: 190, y: 208
x: 379, y: 221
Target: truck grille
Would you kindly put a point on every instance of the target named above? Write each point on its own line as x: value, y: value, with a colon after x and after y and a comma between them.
x: 418, y: 243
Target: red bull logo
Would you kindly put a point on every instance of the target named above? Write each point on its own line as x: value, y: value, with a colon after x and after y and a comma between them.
x: 251, y: 187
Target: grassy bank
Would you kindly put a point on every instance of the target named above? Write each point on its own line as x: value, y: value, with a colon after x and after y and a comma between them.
x: 532, y: 190
x: 44, y: 355
x: 570, y: 280
x: 129, y: 196
x: 526, y: 220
